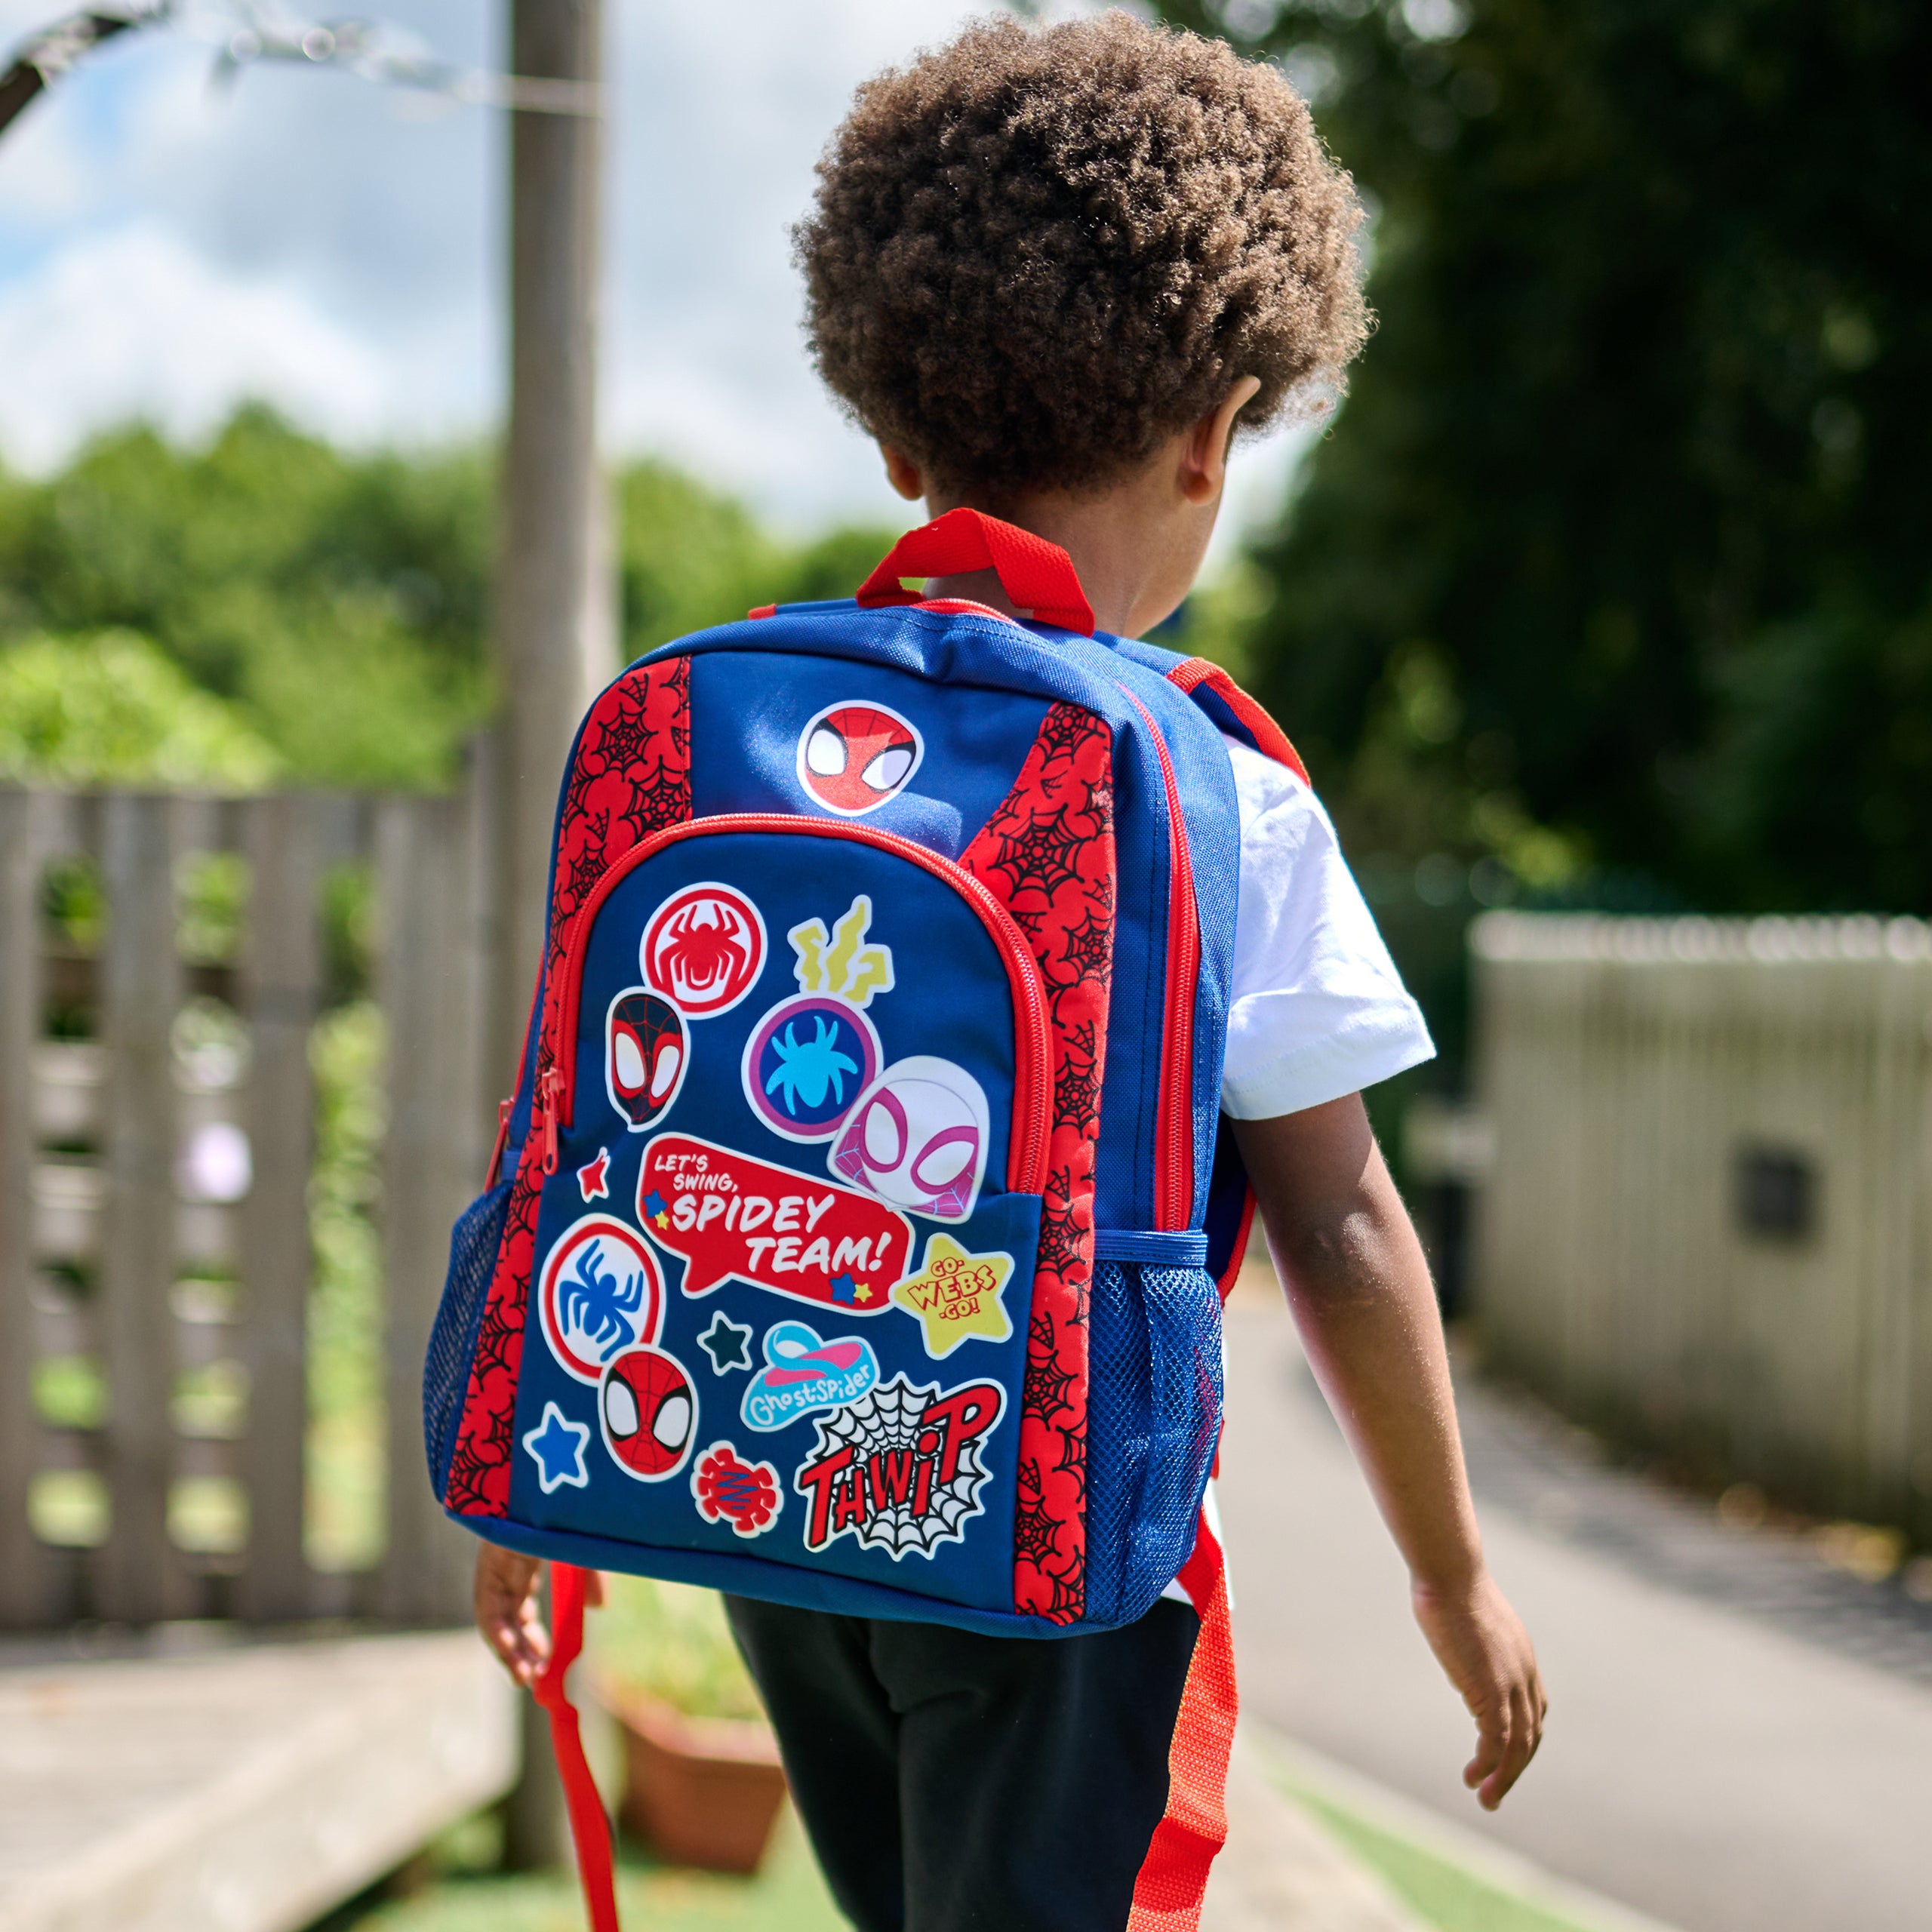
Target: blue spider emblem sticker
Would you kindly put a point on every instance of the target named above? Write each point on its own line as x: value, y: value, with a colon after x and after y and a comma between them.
x: 601, y: 1293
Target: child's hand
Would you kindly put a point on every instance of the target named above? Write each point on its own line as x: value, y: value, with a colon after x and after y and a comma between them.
x: 505, y: 1598
x: 1481, y: 1644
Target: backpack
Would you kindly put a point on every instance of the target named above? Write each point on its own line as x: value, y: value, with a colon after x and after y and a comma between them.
x: 856, y: 1237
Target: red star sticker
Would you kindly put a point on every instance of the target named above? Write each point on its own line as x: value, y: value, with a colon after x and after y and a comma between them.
x: 591, y: 1177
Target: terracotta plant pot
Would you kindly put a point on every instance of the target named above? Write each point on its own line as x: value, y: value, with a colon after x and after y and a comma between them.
x: 703, y: 1791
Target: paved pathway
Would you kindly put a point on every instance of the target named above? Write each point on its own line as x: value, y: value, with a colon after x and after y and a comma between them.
x: 1740, y: 1738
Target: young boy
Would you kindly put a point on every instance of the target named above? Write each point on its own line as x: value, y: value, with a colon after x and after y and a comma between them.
x: 1052, y: 271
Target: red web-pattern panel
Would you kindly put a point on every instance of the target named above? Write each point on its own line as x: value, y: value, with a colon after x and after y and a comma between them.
x: 1047, y: 853
x: 632, y: 776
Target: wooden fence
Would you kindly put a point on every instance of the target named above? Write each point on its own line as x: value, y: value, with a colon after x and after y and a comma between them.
x: 154, y: 1210
x: 1707, y: 1220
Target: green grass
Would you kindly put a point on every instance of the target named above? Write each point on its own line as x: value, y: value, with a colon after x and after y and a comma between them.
x: 1443, y: 1894
x: 788, y: 1895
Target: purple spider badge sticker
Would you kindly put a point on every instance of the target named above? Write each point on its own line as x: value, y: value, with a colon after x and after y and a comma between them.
x: 811, y: 1056
x: 599, y: 1294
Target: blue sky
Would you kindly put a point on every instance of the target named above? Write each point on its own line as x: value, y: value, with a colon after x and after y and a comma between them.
x: 335, y: 247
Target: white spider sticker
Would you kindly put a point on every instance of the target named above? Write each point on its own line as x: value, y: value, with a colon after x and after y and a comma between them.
x: 900, y: 1470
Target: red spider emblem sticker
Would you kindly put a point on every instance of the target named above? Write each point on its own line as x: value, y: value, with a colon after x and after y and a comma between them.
x: 729, y: 1490
x: 853, y: 758
x: 704, y: 949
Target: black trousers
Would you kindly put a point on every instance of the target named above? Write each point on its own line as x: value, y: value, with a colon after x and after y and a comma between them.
x: 953, y: 1783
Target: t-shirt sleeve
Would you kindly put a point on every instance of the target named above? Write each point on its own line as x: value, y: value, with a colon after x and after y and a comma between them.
x: 1318, y: 1010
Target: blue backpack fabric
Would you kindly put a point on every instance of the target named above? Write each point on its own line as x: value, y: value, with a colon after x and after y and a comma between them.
x: 854, y: 1234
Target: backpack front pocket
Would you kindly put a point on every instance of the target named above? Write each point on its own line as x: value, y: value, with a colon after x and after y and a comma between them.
x: 796, y: 1128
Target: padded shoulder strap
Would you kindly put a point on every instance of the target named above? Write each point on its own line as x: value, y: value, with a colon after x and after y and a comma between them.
x: 1234, y: 711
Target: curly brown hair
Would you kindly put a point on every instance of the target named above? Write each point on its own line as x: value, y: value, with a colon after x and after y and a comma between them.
x: 1036, y: 252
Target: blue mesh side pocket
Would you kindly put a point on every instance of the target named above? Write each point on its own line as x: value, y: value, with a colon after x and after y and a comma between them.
x: 1154, y: 1416
x: 473, y: 1244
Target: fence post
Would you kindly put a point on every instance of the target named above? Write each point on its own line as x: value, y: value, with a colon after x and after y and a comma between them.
x: 421, y: 986
x: 141, y: 1577
x: 280, y: 988
x: 25, y: 1580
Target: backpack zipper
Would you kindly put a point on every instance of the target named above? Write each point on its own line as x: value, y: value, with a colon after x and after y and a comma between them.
x: 1026, y: 1161
x: 1174, y: 1130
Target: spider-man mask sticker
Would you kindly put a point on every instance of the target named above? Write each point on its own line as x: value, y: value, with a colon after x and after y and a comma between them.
x: 648, y: 1410
x: 704, y: 949
x: 917, y: 1138
x: 727, y: 1214
x: 853, y: 758
x: 900, y: 1470
x: 599, y: 1294
x: 646, y: 1051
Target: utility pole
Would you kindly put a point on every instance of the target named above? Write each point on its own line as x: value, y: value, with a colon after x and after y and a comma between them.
x: 556, y: 591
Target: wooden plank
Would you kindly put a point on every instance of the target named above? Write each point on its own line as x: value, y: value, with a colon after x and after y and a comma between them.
x: 249, y: 1790
x: 138, y: 1576
x: 280, y: 989
x: 418, y: 861
x: 25, y: 1575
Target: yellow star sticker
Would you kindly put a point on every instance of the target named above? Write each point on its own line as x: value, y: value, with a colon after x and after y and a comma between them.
x: 956, y: 1295
x: 863, y: 1291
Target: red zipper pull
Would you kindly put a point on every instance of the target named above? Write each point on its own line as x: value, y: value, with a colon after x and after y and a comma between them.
x: 546, y: 1090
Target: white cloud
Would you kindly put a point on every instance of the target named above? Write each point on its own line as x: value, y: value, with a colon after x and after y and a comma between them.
x: 165, y: 252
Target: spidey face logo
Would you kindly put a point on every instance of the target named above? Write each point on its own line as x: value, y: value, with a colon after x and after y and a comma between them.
x: 648, y: 1411
x: 917, y: 1138
x: 853, y: 758
x: 645, y: 1053
x: 704, y: 949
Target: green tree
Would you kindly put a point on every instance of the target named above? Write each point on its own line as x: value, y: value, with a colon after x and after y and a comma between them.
x: 1613, y: 565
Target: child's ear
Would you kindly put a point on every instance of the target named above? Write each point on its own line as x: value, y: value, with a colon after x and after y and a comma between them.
x: 1204, y: 456
x: 903, y: 473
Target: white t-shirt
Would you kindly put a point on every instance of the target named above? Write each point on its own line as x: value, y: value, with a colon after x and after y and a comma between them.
x: 1317, y: 1008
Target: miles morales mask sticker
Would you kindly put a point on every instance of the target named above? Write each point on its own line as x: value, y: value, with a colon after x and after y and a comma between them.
x: 649, y: 1411
x: 853, y: 758
x: 727, y: 1214
x: 556, y: 1445
x: 729, y: 1489
x: 645, y: 1053
x: 956, y: 1296
x: 809, y: 1058
x: 917, y: 1138
x: 703, y: 950
x: 802, y: 1372
x: 900, y: 1470
x: 600, y: 1293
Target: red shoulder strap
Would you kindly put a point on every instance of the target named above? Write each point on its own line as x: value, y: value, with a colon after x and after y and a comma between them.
x: 589, y: 1828
x: 1269, y: 738
x: 1039, y: 577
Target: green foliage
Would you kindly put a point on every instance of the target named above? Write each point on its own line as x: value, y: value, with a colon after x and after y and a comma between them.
x: 318, y: 615
x: 670, y: 1641
x: 1612, y: 570
x: 112, y: 709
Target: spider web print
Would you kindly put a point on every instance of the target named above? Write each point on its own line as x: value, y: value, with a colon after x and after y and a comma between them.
x: 1048, y: 854
x: 631, y: 777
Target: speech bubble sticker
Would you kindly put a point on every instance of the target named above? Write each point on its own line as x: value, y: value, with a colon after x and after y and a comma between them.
x: 802, y: 1372
x: 729, y: 1215
x: 956, y: 1297
x: 599, y: 1294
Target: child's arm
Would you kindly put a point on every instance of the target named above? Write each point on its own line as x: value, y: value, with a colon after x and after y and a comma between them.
x: 1359, y: 1287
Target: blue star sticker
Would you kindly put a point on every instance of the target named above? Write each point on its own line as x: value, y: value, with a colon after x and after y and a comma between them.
x: 557, y: 1445
x: 728, y: 1345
